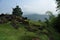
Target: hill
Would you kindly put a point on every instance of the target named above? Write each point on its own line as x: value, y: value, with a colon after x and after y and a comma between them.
x: 7, y: 32
x: 14, y: 27
x: 36, y: 17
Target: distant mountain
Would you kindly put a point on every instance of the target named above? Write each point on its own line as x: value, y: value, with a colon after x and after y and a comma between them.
x: 36, y: 17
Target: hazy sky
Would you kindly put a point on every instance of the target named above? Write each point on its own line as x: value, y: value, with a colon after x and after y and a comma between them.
x: 28, y: 6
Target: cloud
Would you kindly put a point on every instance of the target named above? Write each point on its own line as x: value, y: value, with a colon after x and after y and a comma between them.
x: 32, y: 6
x: 39, y: 6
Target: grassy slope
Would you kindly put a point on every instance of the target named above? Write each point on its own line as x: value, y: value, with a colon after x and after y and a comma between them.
x: 51, y: 30
x: 7, y: 32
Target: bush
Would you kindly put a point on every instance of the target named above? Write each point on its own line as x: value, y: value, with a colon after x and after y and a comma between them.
x: 27, y: 37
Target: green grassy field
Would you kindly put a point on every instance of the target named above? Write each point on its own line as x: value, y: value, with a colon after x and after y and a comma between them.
x: 7, y: 32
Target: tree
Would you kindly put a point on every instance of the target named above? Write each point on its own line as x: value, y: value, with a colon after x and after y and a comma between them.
x: 51, y: 18
x: 17, y: 11
x: 58, y: 4
x: 56, y: 23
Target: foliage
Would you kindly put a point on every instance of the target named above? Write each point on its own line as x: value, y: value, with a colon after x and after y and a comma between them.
x: 51, y: 18
x: 58, y: 4
x: 17, y: 11
x: 56, y: 23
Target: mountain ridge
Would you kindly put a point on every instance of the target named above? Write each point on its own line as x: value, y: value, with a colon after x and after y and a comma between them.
x: 36, y: 17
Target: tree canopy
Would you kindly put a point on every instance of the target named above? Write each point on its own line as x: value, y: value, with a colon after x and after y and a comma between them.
x: 17, y: 11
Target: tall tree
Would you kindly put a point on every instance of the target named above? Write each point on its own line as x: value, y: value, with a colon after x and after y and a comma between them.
x: 56, y: 23
x: 51, y: 18
x: 17, y: 11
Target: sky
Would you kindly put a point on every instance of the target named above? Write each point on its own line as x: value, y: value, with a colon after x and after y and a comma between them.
x: 28, y: 6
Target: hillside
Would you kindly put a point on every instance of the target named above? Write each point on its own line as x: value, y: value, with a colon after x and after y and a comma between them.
x: 18, y: 27
x: 8, y: 32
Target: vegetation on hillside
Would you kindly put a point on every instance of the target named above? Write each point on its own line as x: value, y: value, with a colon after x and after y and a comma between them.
x: 16, y: 27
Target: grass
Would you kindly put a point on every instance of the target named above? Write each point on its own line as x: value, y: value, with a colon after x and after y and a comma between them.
x: 7, y: 32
